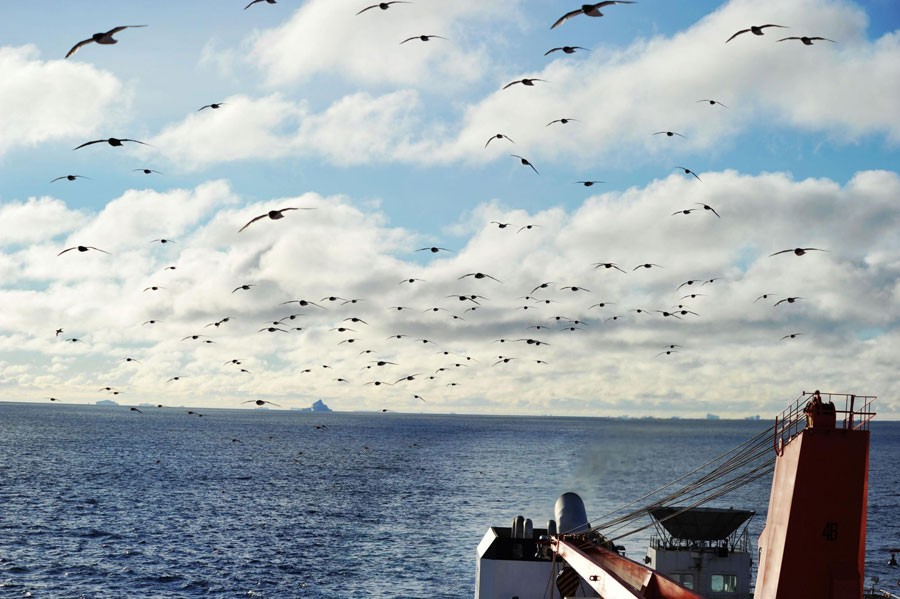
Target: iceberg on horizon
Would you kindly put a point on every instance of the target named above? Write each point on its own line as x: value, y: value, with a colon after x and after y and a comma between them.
x: 318, y: 406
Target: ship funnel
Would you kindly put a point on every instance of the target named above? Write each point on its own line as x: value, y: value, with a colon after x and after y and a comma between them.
x: 570, y: 514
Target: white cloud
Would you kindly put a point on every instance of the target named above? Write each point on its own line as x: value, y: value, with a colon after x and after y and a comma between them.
x: 325, y: 38
x: 36, y: 219
x: 620, y: 97
x: 241, y: 129
x: 53, y: 99
x: 623, y: 96
x: 847, y: 320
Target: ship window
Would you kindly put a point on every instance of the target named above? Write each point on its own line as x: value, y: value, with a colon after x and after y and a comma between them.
x: 723, y: 583
x: 685, y: 580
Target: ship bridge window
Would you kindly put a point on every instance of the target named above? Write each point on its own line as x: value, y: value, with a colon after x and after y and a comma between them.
x: 685, y: 580
x: 723, y: 583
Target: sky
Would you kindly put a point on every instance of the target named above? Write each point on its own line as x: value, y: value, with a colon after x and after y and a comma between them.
x: 383, y: 145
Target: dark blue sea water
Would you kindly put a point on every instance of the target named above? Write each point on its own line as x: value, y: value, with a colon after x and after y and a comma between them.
x: 104, y: 502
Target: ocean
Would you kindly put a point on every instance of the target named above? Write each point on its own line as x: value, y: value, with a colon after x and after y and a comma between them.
x: 102, y: 501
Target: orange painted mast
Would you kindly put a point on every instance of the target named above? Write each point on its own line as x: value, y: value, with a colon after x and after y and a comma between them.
x: 813, y: 544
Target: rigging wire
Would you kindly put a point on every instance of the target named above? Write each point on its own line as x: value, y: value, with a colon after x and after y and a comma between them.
x: 746, y: 455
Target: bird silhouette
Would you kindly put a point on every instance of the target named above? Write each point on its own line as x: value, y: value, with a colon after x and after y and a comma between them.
x: 81, y: 248
x: 100, y: 38
x: 789, y: 300
x: 424, y: 38
x: 712, y: 102
x: 261, y: 402
x: 255, y: 2
x: 565, y: 49
x: 113, y: 141
x: 382, y: 5
x: 497, y: 136
x: 525, y: 162
x: 669, y: 133
x: 526, y: 82
x: 590, y: 10
x: 755, y: 30
x: 214, y: 105
x: 479, y: 275
x: 69, y: 178
x: 798, y: 251
x: 688, y: 171
x: 709, y: 208
x: 272, y: 215
x: 807, y: 41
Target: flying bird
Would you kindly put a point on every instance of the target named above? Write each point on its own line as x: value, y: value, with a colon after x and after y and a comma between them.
x: 479, y: 275
x: 807, y: 41
x: 251, y: 4
x: 791, y: 336
x: 113, y: 141
x: 497, y: 136
x: 214, y: 105
x: 382, y: 5
x: 590, y: 10
x: 525, y: 162
x: 755, y: 30
x: 424, y: 38
x: 146, y: 171
x: 712, y: 102
x: 527, y: 82
x: 669, y: 133
x: 101, y: 38
x: 708, y: 207
x: 260, y: 402
x: 589, y: 183
x: 562, y: 121
x: 70, y: 178
x: 798, y: 251
x: 81, y: 248
x: 789, y: 300
x: 271, y: 214
x: 566, y: 49
x: 433, y: 250
x: 688, y: 171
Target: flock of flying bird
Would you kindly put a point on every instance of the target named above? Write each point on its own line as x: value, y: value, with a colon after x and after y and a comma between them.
x: 424, y: 366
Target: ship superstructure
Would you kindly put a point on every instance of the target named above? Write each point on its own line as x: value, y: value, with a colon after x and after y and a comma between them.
x: 812, y: 547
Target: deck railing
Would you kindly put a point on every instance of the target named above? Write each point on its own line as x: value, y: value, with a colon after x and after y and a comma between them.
x: 855, y: 415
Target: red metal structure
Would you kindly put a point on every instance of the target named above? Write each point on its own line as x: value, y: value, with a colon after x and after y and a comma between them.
x: 813, y: 544
x: 614, y: 576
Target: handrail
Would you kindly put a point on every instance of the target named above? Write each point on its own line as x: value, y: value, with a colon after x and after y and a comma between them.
x: 857, y: 414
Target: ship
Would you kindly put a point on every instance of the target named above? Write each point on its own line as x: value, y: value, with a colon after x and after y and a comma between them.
x: 812, y: 545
